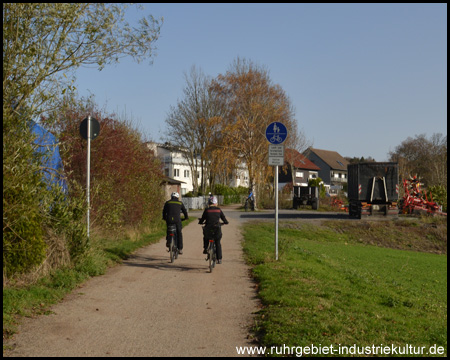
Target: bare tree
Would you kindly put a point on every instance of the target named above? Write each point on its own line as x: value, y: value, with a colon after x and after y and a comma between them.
x: 192, y: 123
x: 300, y: 143
x: 424, y: 157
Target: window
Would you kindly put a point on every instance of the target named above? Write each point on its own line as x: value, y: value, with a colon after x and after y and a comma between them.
x: 186, y: 173
x: 340, y: 163
x: 299, y: 174
x: 176, y: 172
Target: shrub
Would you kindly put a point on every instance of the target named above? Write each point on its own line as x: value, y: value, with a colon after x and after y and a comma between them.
x: 23, y: 193
x: 125, y: 175
x: 439, y: 193
x: 38, y: 216
x: 230, y: 195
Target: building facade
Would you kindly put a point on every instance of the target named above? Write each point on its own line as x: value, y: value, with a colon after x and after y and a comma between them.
x: 176, y: 166
x: 302, y: 168
x: 333, y: 168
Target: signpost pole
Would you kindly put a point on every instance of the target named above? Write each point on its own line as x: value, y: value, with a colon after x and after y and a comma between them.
x: 276, y: 212
x: 87, y: 125
x: 276, y: 134
x: 88, y: 171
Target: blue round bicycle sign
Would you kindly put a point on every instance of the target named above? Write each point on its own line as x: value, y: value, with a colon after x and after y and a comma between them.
x: 276, y: 133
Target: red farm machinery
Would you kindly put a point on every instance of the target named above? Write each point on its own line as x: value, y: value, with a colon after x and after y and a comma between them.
x: 416, y: 200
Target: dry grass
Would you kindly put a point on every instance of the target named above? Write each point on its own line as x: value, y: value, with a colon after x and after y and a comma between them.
x: 416, y: 234
x: 57, y: 256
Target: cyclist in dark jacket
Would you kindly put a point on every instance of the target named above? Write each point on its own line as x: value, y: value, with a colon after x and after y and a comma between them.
x: 212, y: 216
x: 172, y: 215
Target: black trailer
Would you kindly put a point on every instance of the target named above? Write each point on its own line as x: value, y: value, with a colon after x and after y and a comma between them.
x: 306, y: 195
x: 373, y: 188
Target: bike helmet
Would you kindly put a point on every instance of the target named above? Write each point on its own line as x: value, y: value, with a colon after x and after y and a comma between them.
x: 175, y: 195
x: 213, y: 201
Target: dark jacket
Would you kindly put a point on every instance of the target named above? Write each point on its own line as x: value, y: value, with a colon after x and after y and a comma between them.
x: 172, y: 211
x: 212, y: 216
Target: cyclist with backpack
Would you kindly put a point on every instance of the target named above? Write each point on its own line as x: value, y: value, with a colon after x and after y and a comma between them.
x: 172, y: 215
x: 211, y: 218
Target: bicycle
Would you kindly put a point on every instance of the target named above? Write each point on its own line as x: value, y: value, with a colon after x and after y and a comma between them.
x: 173, y: 248
x: 276, y: 139
x: 249, y: 203
x: 211, y: 252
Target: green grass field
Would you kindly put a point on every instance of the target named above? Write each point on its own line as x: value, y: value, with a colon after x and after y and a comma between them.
x: 330, y: 287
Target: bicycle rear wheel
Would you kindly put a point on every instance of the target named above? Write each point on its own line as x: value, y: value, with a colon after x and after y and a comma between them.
x: 214, y: 255
x: 210, y: 257
x: 171, y: 249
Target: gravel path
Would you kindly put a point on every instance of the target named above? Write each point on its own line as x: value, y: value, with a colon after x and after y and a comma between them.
x: 150, y: 307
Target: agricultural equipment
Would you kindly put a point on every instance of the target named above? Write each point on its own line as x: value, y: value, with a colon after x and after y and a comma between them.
x: 416, y: 201
x: 306, y: 195
x: 339, y: 204
x: 373, y: 188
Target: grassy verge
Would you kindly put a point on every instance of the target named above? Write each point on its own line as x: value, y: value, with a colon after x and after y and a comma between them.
x: 334, y: 284
x: 35, y: 299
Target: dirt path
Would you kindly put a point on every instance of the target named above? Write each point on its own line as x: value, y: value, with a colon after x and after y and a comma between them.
x: 150, y: 307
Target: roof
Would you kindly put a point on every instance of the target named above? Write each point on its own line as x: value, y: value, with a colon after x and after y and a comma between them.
x: 171, y: 181
x: 331, y: 158
x: 299, y: 161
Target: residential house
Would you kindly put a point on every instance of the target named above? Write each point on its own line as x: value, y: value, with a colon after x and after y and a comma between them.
x: 239, y: 177
x: 177, y: 168
x: 303, y: 169
x: 333, y: 168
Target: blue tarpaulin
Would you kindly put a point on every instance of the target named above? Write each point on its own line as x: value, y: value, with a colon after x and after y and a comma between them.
x: 52, y: 162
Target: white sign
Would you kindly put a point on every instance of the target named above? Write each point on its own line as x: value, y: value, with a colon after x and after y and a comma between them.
x: 276, y: 155
x: 275, y: 161
x: 276, y: 150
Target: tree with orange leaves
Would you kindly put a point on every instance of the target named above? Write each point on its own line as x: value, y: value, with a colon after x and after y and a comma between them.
x: 251, y: 102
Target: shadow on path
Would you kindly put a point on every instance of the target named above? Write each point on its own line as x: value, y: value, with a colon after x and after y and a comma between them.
x: 163, y: 263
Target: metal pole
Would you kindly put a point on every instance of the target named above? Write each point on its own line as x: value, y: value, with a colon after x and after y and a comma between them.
x: 88, y: 169
x: 276, y: 212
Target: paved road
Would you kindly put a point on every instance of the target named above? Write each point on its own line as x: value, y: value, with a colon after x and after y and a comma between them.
x: 150, y: 307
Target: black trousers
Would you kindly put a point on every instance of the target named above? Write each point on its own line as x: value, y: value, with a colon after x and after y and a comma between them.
x: 179, y: 235
x: 216, y: 233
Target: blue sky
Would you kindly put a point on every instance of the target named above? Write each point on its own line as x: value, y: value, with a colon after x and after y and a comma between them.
x: 361, y: 77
